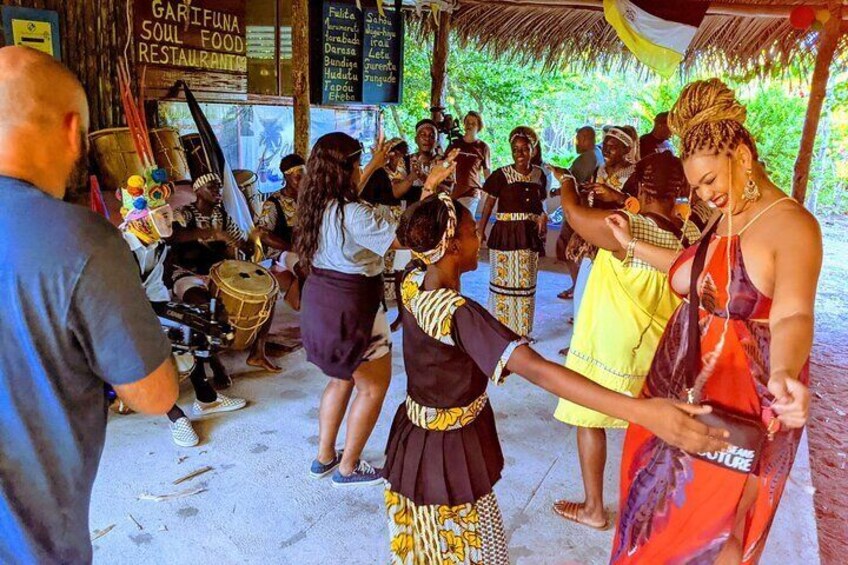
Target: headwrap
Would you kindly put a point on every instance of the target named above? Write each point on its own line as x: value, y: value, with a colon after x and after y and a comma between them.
x: 525, y: 132
x: 291, y: 163
x: 435, y: 255
x: 203, y: 180
x: 144, y: 206
x: 629, y: 142
x: 426, y: 124
x: 394, y: 142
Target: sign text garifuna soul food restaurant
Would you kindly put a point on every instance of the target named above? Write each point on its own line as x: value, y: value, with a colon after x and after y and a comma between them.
x: 200, y: 41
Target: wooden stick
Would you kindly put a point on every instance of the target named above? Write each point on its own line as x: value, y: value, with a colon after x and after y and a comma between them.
x: 827, y: 48
x: 193, y: 474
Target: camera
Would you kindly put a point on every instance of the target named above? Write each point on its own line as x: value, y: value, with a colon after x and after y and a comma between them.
x: 448, y: 125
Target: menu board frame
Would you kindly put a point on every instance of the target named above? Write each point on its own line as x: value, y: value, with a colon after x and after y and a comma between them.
x: 345, y: 83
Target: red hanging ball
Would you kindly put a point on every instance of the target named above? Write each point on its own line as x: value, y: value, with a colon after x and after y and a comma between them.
x: 802, y: 17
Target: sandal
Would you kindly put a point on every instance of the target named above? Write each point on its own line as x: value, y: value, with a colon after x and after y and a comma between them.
x: 566, y: 294
x: 571, y: 512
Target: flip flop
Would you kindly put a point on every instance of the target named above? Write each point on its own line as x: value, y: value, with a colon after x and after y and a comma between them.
x: 566, y: 295
x: 571, y: 512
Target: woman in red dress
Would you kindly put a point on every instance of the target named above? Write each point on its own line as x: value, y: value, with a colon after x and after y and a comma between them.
x: 757, y: 292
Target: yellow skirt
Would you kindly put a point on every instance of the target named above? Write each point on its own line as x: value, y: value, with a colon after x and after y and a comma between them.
x: 623, y: 315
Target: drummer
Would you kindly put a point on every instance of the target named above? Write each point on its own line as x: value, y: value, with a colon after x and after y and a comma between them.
x: 143, y: 228
x: 203, y: 236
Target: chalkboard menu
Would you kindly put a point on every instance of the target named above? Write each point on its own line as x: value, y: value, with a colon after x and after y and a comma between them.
x: 357, y: 54
x: 199, y: 41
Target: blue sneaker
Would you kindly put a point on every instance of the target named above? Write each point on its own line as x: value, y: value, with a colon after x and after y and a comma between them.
x: 320, y: 470
x: 364, y: 474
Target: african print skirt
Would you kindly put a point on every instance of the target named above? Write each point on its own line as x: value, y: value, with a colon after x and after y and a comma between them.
x: 469, y: 534
x: 512, y: 288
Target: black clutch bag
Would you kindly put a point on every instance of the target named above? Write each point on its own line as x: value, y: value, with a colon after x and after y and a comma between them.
x: 747, y: 433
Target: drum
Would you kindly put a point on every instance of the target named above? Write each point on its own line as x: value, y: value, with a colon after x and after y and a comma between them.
x: 169, y: 154
x: 198, y: 163
x: 247, y: 181
x: 116, y: 158
x: 248, y: 293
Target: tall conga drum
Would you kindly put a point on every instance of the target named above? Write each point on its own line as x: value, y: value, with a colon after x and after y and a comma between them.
x: 248, y: 292
x: 247, y: 181
x: 115, y: 155
x: 195, y: 154
x: 169, y: 154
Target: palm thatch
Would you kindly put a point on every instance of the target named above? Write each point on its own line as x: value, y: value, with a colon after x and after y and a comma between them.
x: 574, y: 32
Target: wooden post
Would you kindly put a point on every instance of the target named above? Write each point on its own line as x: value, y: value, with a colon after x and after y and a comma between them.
x: 439, y: 67
x: 300, y: 75
x: 827, y: 47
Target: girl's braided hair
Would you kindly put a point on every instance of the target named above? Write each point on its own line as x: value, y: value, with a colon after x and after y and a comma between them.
x: 707, y: 116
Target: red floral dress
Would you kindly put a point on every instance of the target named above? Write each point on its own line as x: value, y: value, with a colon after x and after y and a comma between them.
x: 677, y: 509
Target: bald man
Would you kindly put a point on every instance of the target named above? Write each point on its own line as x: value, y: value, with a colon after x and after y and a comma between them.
x: 73, y: 316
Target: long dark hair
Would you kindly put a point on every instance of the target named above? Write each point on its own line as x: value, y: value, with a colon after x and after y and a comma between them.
x: 328, y: 178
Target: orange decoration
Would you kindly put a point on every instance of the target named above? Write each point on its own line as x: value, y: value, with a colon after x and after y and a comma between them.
x: 683, y: 211
x: 632, y: 205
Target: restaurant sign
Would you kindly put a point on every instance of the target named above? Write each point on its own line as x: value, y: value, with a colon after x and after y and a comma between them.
x: 199, y: 41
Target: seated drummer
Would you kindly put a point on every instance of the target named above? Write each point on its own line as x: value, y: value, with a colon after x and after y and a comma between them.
x: 142, y: 230
x: 203, y: 236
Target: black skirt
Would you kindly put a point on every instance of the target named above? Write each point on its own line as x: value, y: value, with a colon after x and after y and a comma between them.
x: 338, y: 312
x: 445, y: 468
x: 515, y: 235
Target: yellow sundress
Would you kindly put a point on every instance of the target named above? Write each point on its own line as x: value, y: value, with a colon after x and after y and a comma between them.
x: 625, y: 309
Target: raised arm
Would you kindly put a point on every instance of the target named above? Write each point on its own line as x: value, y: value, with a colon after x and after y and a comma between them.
x: 658, y: 257
x: 589, y: 223
x: 671, y: 421
x: 797, y: 263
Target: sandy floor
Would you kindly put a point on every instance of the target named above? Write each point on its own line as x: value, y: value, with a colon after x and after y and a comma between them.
x: 257, y: 504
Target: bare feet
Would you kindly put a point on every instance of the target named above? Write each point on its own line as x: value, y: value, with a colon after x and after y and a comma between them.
x: 261, y: 360
x: 576, y: 512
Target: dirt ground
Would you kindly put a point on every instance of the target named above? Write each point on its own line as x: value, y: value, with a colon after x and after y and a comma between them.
x: 828, y: 429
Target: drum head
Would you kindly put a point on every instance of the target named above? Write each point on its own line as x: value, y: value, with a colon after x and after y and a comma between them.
x: 244, y: 177
x: 244, y: 278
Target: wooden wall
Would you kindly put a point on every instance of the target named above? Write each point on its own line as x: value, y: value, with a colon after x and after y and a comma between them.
x: 93, y: 33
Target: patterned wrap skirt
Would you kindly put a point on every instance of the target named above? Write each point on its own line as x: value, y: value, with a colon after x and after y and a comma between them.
x: 512, y: 288
x: 466, y: 534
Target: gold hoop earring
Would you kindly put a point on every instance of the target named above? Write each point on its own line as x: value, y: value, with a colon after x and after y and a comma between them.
x: 751, y: 193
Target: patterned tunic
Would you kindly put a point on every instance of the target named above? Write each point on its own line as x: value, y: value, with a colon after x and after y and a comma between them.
x: 279, y: 216
x: 443, y: 453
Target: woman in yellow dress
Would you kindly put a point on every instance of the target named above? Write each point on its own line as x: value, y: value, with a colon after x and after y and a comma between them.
x: 626, y: 306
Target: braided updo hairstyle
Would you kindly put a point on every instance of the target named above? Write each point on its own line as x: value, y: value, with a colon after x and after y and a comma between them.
x: 707, y: 116
x: 422, y: 226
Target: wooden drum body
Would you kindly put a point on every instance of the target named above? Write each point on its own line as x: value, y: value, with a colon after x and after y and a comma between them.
x: 116, y: 158
x: 169, y: 153
x: 248, y: 293
x: 247, y: 182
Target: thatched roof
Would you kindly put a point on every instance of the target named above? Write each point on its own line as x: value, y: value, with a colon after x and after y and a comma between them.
x: 575, y: 32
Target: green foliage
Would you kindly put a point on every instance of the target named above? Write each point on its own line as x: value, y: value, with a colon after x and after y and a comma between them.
x: 556, y: 102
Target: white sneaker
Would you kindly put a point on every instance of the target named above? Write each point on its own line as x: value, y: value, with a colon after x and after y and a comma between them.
x: 183, y: 433
x: 222, y: 404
